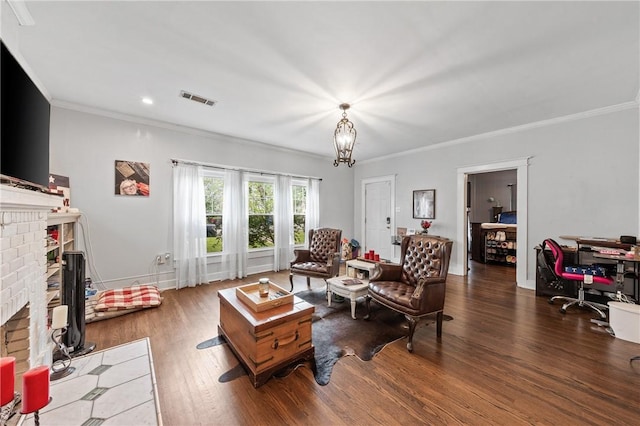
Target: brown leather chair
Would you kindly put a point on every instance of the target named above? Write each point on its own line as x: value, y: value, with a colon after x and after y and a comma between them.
x: 322, y: 259
x: 416, y: 286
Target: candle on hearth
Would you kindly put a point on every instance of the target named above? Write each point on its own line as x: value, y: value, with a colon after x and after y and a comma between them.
x: 7, y: 379
x: 35, y: 389
x: 60, y: 314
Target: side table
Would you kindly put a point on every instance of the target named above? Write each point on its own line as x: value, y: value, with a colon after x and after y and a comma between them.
x: 360, y: 265
x: 351, y: 291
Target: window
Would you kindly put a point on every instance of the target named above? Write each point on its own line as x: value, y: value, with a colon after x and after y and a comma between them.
x: 299, y: 195
x: 213, y: 199
x: 261, y: 229
x: 261, y: 194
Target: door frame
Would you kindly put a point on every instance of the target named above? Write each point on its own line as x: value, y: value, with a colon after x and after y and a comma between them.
x: 392, y: 205
x: 521, y: 166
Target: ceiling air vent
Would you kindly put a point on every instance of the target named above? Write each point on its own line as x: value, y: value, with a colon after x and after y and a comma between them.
x: 197, y: 98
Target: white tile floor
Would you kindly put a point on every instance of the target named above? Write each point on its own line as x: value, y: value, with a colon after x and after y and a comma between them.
x: 116, y: 386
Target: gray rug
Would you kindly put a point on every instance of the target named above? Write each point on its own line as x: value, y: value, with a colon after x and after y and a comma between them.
x: 335, y: 334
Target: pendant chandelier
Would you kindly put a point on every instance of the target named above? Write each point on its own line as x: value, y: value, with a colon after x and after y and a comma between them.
x: 344, y: 138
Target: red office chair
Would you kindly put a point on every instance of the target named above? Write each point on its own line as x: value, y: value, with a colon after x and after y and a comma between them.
x: 560, y: 273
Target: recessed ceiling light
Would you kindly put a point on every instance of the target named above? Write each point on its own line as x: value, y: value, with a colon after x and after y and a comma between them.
x: 147, y: 101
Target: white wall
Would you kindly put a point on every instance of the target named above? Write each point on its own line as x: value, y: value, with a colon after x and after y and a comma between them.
x: 582, y: 178
x: 126, y: 233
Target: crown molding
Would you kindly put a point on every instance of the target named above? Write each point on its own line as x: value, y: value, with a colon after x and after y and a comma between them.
x: 515, y: 129
x: 22, y: 13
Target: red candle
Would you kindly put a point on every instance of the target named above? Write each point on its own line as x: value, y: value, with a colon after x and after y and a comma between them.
x: 377, y: 257
x: 7, y: 379
x: 35, y: 389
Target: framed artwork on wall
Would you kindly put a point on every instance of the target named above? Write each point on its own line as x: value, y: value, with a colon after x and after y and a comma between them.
x: 132, y: 178
x: 424, y: 204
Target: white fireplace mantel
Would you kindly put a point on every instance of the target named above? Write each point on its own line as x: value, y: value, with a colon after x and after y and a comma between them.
x: 12, y: 198
x: 23, y: 257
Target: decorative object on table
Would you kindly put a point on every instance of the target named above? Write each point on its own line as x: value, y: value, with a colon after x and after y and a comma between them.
x: 347, y: 249
x: 60, y: 185
x: 628, y: 239
x: 252, y: 297
x: 7, y: 376
x: 425, y: 224
x: 372, y: 256
x: 132, y: 178
x: 344, y: 138
x: 61, y: 366
x: 424, y: 204
x: 400, y: 234
x: 35, y: 391
x: 355, y: 248
x: 263, y: 287
x: 9, y: 398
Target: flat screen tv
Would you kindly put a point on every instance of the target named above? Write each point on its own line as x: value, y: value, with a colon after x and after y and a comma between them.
x: 24, y: 120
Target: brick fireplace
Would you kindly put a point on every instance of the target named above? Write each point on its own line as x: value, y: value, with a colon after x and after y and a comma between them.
x: 23, y: 286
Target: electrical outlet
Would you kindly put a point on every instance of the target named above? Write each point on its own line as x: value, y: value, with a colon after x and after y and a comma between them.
x: 167, y: 257
x: 159, y: 259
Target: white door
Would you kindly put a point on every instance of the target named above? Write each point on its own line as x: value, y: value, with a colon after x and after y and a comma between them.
x: 377, y: 218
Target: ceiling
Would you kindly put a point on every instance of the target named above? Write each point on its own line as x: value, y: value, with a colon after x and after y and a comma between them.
x: 415, y: 73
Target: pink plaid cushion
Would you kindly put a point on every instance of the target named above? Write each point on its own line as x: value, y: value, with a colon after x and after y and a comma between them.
x: 137, y: 296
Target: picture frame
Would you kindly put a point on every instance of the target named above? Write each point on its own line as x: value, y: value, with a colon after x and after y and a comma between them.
x: 424, y: 204
x: 132, y: 178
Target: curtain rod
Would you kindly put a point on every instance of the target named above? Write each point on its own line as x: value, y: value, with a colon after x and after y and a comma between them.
x: 175, y: 161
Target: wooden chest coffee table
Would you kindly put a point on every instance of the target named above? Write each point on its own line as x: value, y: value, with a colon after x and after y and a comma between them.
x: 268, y: 341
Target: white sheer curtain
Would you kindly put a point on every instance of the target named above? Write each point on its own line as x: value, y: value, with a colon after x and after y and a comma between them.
x: 189, y: 226
x: 235, y: 238
x: 313, y: 206
x: 283, y: 217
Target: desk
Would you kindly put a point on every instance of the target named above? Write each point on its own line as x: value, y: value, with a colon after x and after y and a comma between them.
x: 620, y: 270
x: 611, y: 243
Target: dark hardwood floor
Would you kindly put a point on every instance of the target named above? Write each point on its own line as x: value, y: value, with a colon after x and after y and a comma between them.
x: 508, y: 357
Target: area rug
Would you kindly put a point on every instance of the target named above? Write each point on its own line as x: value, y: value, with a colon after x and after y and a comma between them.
x: 335, y: 334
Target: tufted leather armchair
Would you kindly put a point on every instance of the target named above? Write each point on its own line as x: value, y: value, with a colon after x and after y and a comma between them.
x: 416, y: 286
x: 322, y: 259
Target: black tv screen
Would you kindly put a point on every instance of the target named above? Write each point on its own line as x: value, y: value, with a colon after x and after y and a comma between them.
x: 24, y: 119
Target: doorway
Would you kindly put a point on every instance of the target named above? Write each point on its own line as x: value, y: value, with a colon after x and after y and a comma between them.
x: 521, y: 188
x: 491, y: 195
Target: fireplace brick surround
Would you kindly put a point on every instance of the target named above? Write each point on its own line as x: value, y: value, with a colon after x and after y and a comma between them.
x: 23, y: 286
